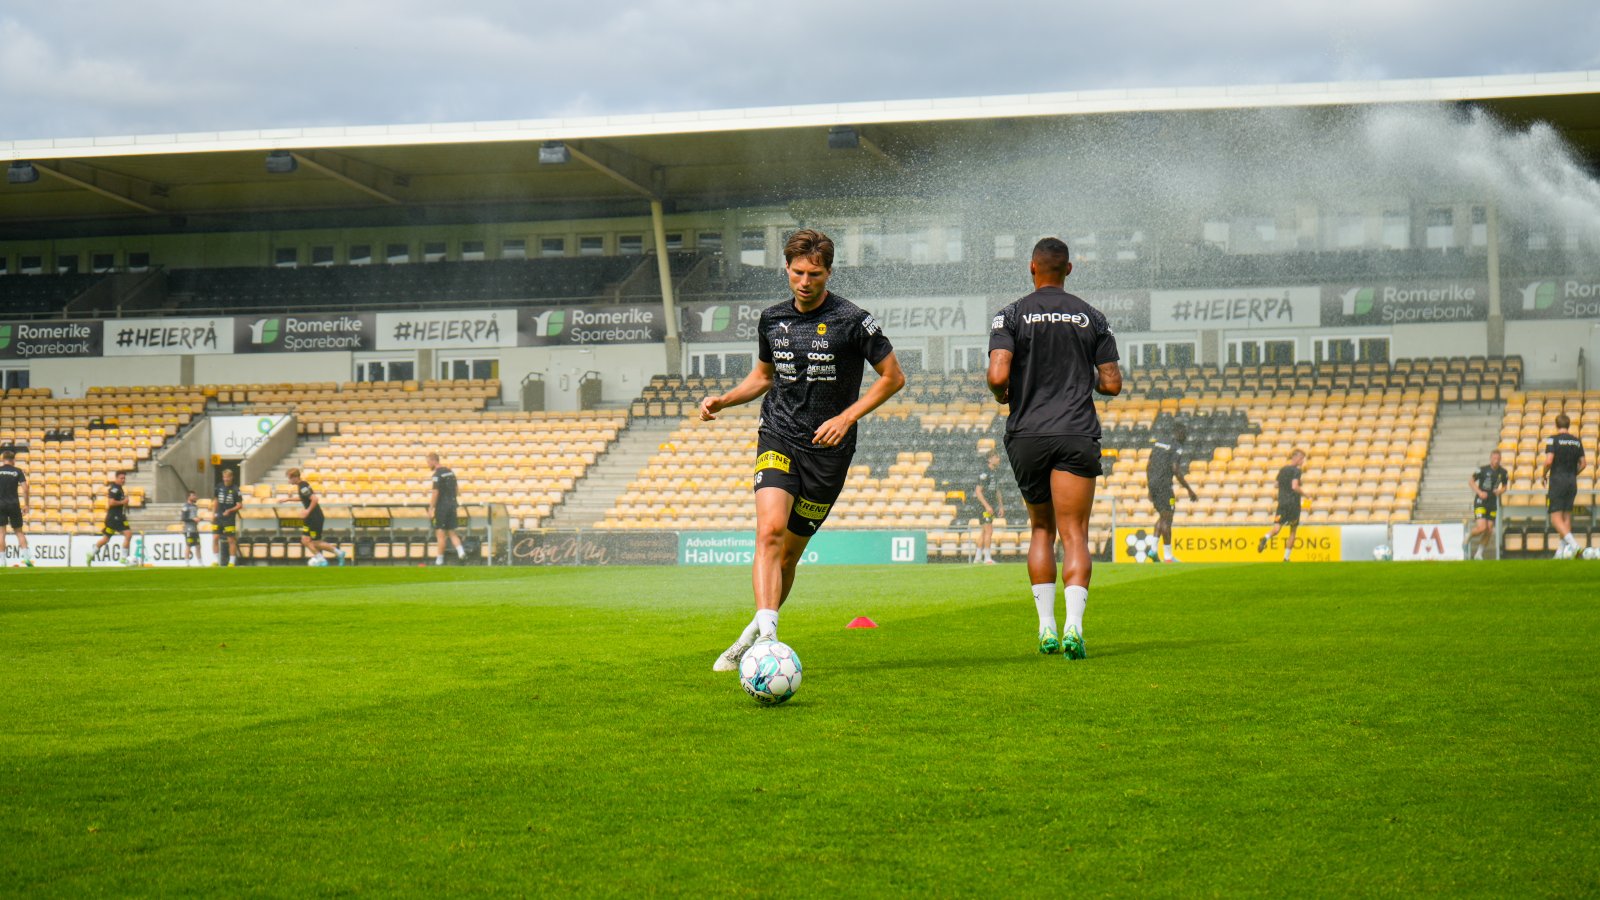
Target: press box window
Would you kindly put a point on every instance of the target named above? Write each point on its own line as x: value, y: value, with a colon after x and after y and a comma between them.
x: 552, y: 247
x: 67, y: 264
x: 386, y: 370
x: 514, y: 249
x: 753, y: 248
x: 472, y: 251
x: 397, y: 253
x: 674, y: 240
x: 286, y: 257
x: 322, y: 256
x: 709, y: 241
x: 100, y: 263
x: 433, y: 251
x: 591, y: 246
x: 463, y: 369
x: 4, y: 266
x: 139, y: 262
x: 630, y: 244
x: 31, y: 265
x: 360, y: 254
x: 13, y: 379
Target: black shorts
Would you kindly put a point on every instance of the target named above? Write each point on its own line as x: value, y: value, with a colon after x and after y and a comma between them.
x: 1289, y: 512
x: 192, y: 538
x: 312, y: 528
x: 446, y: 518
x: 1487, y: 508
x: 814, y: 480
x: 1561, y: 496
x: 1035, y: 456
x: 1164, y: 501
x: 114, y: 526
x: 225, y: 526
x: 11, y: 515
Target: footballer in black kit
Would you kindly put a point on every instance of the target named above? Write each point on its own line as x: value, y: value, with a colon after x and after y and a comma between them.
x: 116, y: 521
x: 225, y: 506
x: 1049, y: 354
x: 812, y: 350
x: 311, y: 530
x: 1290, y: 494
x: 1168, y: 460
x: 1563, y: 460
x: 13, y: 501
x: 1488, y: 483
x: 443, y: 511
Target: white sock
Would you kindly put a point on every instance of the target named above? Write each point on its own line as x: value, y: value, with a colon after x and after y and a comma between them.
x: 439, y: 560
x: 1166, y: 552
x: 748, y: 636
x: 988, y: 557
x: 1077, y: 601
x: 461, y: 553
x: 1044, y: 600
x: 767, y: 622
x: 1286, y: 552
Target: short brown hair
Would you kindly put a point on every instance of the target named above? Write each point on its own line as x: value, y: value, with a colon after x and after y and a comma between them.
x: 8, y: 454
x: 811, y: 244
x: 1051, y: 255
x: 1297, y: 452
x: 292, y: 473
x: 1563, y: 421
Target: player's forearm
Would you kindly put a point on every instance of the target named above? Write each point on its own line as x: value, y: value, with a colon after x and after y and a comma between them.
x: 999, y: 375
x: 754, y: 385
x: 888, y: 384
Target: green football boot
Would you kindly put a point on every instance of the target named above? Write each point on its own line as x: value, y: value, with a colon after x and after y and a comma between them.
x: 1072, y: 645
x: 1049, y: 643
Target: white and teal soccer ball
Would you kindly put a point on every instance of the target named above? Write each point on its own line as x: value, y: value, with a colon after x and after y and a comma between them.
x: 770, y: 672
x: 317, y: 561
x: 1383, y: 553
x: 1591, y: 553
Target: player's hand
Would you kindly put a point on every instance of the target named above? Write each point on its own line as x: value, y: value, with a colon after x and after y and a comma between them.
x: 831, y: 432
x: 709, y: 407
x: 1193, y: 497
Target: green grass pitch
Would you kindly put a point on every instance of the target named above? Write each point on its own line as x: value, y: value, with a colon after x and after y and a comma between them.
x: 1268, y: 730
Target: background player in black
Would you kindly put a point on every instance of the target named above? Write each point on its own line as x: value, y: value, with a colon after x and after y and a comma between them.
x: 191, y: 529
x: 1488, y: 484
x: 442, y: 509
x: 311, y: 531
x: 812, y: 349
x: 1168, y: 460
x: 13, y: 504
x: 116, y: 520
x: 990, y: 505
x: 1048, y: 354
x: 225, y: 508
x: 1290, y: 494
x: 1563, y: 460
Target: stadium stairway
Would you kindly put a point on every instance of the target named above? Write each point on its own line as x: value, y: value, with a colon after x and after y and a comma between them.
x: 304, y: 449
x: 596, y: 493
x: 1463, y: 436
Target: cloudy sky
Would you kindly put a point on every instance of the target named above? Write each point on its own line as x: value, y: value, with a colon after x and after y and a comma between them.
x: 114, y: 67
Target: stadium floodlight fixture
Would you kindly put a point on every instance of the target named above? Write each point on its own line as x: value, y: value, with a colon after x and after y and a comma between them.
x: 21, y: 172
x: 554, y: 153
x: 281, y: 162
x: 843, y: 137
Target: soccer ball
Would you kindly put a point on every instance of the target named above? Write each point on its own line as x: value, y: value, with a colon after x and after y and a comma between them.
x: 318, y: 561
x: 1383, y: 553
x: 1591, y: 553
x: 770, y: 672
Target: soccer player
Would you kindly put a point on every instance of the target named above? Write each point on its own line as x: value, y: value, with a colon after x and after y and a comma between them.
x: 1289, y: 495
x: 13, y: 504
x: 1488, y: 484
x: 311, y: 531
x: 191, y: 530
x: 225, y: 520
x: 811, y: 348
x: 986, y: 495
x: 1563, y: 460
x: 1168, y: 460
x: 116, y: 520
x: 442, y: 509
x: 1048, y: 354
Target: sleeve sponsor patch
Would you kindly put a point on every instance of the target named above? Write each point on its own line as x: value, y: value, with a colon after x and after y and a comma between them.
x: 998, y: 323
x: 870, y: 324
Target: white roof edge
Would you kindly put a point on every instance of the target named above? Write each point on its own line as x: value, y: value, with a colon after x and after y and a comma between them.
x: 1333, y: 93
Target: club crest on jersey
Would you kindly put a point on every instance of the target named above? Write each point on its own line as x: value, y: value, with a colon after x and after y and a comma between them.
x: 822, y: 328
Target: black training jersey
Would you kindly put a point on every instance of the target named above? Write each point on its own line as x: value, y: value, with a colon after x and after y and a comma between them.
x: 1057, y: 341
x: 1490, y: 478
x: 1568, y: 451
x: 114, y: 492
x: 1287, y: 476
x: 306, y: 493
x: 989, y: 484
x: 11, y: 478
x: 191, y: 518
x: 227, y: 498
x: 1166, y: 459
x: 444, y: 481
x: 818, y: 357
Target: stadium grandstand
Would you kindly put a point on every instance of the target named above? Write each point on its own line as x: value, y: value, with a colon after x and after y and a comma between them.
x: 544, y: 304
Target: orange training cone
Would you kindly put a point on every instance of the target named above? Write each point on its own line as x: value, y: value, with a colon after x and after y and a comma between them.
x: 862, y: 622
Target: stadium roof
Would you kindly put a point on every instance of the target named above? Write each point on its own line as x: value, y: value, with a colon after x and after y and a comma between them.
x: 406, y: 174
